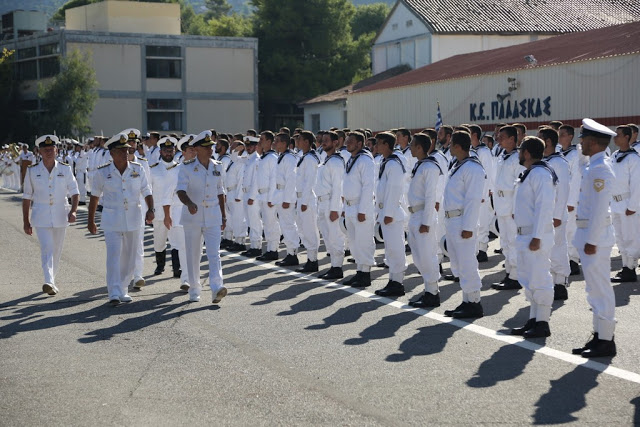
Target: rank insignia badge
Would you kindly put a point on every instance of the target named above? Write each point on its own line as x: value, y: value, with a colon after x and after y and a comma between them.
x: 598, y: 185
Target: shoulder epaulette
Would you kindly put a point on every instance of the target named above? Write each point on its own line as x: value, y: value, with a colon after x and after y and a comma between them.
x: 154, y: 165
x: 142, y: 158
x: 189, y: 162
x: 104, y: 166
x: 34, y: 165
x: 172, y: 166
x: 135, y: 163
x: 63, y: 163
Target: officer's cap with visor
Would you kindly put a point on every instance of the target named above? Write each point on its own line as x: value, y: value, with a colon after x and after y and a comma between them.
x: 185, y: 141
x: 133, y: 134
x: 202, y: 140
x: 47, y: 141
x: 251, y: 140
x: 592, y: 128
x: 167, y: 142
x: 119, y: 140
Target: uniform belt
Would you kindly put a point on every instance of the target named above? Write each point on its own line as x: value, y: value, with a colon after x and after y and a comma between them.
x: 621, y: 197
x: 323, y: 198
x: 262, y: 190
x: 454, y: 213
x: 380, y: 205
x: 352, y: 202
x: 584, y: 223
x: 279, y: 186
x: 505, y: 193
x: 416, y: 208
x: 233, y: 187
x: 525, y: 230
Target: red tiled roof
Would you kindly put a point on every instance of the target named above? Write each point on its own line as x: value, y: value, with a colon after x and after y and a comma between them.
x: 522, y: 16
x: 604, y: 42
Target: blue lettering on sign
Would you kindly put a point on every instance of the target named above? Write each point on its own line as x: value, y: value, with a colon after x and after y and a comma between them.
x: 526, y: 108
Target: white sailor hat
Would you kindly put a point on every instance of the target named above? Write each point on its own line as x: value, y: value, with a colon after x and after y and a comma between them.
x: 202, y: 140
x: 185, y: 140
x: 251, y: 139
x: 46, y: 141
x: 592, y: 128
x: 167, y: 142
x: 132, y: 133
x: 119, y: 140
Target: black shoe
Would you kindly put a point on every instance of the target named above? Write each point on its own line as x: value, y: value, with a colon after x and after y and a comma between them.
x: 440, y: 268
x: 449, y: 313
x: 575, y: 268
x: 268, y: 256
x: 625, y: 275
x: 332, y: 274
x: 224, y: 243
x: 161, y: 260
x: 540, y: 330
x: 351, y: 260
x: 237, y: 247
x: 451, y: 278
x: 426, y: 300
x: 360, y: 280
x: 99, y: 208
x: 347, y: 253
x: 175, y: 263
x: 177, y: 274
x: 589, y: 345
x: 520, y: 331
x: 508, y: 284
x: 309, y: 267
x: 393, y: 289
x: 407, y: 249
x: 497, y: 251
x: 82, y: 203
x: 288, y: 261
x: 252, y: 253
x: 601, y: 348
x: 560, y: 293
x: 473, y: 310
x: 382, y: 265
x: 482, y: 256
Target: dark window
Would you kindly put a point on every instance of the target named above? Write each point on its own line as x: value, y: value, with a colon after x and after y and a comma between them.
x: 164, y: 114
x: 49, y: 49
x: 49, y: 67
x: 164, y: 68
x: 164, y: 51
x: 29, y: 52
x: 315, y: 123
x: 27, y: 70
x: 164, y: 104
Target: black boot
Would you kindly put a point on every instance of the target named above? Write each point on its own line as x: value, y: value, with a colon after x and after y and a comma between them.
x: 482, y: 256
x: 575, y: 268
x: 520, y: 331
x: 426, y: 300
x: 601, y: 348
x: 589, y: 345
x: 393, y: 289
x: 360, y: 280
x: 332, y: 274
x: 473, y: 310
x: 288, y: 261
x: 540, y: 330
x: 560, y: 293
x: 175, y: 264
x: 161, y: 260
x: 625, y: 275
x: 309, y: 267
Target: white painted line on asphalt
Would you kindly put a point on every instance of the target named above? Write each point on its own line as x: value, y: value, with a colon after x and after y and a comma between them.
x: 480, y: 330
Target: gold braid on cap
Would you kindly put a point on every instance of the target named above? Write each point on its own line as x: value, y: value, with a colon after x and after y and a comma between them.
x: 132, y: 135
x: 123, y: 139
x: 207, y: 138
x: 48, y: 141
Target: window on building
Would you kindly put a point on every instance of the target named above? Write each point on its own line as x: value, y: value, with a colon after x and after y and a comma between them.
x: 164, y: 62
x: 28, y: 52
x: 315, y: 123
x: 164, y: 114
x: 27, y: 70
x: 344, y: 118
x: 410, y: 23
x: 49, y: 49
x: 394, y: 26
x: 49, y: 67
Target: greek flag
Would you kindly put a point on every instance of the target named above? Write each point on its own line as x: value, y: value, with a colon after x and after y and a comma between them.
x: 439, y: 119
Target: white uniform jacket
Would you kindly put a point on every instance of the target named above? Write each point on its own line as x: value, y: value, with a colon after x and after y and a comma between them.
x: 203, y: 186
x: 357, y: 187
x: 329, y: 182
x: 626, y: 187
x: 464, y: 192
x: 266, y: 176
x: 535, y: 199
x: 561, y: 167
x: 507, y: 171
x: 306, y: 175
x: 423, y: 190
x: 285, y: 179
x: 48, y: 192
x: 390, y: 189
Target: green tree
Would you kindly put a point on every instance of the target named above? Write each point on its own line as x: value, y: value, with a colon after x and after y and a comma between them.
x: 306, y: 49
x: 234, y: 25
x: 7, y: 95
x: 70, y: 97
x: 368, y: 19
x: 217, y: 8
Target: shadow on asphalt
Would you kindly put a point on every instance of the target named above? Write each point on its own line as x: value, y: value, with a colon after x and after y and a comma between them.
x: 316, y: 302
x: 636, y: 414
x: 566, y: 396
x: 428, y: 340
x: 385, y: 328
x: 507, y: 363
x: 624, y: 291
x: 346, y: 315
x: 296, y: 288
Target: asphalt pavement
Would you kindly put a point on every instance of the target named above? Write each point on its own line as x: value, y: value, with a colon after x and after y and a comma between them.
x: 285, y: 348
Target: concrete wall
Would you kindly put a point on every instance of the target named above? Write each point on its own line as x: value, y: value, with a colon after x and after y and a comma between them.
x: 226, y: 116
x: 125, y: 17
x: 331, y: 115
x: 446, y: 46
x: 117, y: 67
x: 225, y: 70
x: 111, y: 115
x: 601, y: 89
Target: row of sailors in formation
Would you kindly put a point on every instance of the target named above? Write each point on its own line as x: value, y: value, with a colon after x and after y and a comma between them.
x: 384, y: 185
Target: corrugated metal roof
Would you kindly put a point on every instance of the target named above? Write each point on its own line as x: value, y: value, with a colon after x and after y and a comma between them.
x: 609, y: 41
x: 522, y: 16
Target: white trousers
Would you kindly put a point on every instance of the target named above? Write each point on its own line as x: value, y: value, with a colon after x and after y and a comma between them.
x: 332, y: 236
x: 81, y: 177
x: 440, y: 231
x: 271, y: 226
x: 51, y: 242
x: 360, y: 238
x: 484, y: 222
x: 193, y: 247
x: 121, y: 259
x: 160, y: 234
x: 424, y: 249
x: 252, y: 213
x: 600, y: 296
x: 508, y: 231
x: 560, y: 269
x: 462, y: 254
x: 227, y: 233
x: 571, y: 232
x: 287, y: 220
x: 394, y: 251
x: 534, y: 275
x: 237, y: 221
x: 308, y: 227
x: 627, y: 231
x: 138, y: 270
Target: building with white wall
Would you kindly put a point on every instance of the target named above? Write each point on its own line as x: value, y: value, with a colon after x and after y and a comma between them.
x: 422, y: 32
x: 150, y: 77
x: 592, y: 74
